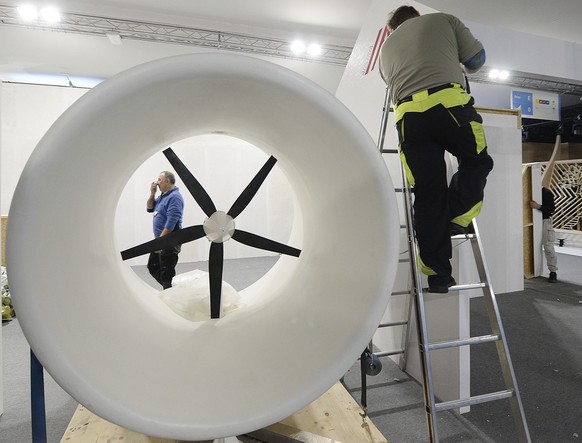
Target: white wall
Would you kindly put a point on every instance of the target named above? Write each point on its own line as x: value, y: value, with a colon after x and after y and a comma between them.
x: 224, y: 165
x: 95, y: 57
x: 526, y: 53
x: 27, y: 112
x: 523, y: 52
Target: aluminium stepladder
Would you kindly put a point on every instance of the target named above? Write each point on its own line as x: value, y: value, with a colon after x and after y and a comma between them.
x: 432, y: 406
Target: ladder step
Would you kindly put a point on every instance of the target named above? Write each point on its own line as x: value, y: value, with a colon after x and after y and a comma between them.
x: 403, y: 260
x: 464, y: 342
x: 478, y: 285
x: 393, y: 323
x: 464, y: 237
x: 401, y: 293
x: 387, y: 353
x: 389, y: 151
x: 478, y: 399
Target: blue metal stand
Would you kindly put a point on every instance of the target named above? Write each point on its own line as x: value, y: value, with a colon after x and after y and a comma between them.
x: 37, y: 403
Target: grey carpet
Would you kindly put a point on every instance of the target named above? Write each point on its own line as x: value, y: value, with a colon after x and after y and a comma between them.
x: 543, y: 330
x: 543, y: 326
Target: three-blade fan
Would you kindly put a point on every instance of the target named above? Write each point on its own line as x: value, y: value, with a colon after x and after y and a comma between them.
x: 218, y: 227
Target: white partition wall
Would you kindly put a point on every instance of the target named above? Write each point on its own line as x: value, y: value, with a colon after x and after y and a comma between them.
x: 225, y: 165
x: 27, y: 111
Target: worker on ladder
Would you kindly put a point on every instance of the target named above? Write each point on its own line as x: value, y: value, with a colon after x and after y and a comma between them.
x: 423, y: 61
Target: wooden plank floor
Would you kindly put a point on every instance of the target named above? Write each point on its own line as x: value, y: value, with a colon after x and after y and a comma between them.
x: 334, y: 417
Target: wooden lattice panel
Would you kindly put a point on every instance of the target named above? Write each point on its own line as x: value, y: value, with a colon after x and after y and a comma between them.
x: 566, y: 185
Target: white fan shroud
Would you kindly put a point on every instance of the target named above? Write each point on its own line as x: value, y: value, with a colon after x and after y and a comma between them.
x: 105, y: 336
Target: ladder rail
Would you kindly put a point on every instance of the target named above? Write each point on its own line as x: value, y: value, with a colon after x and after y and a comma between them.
x: 507, y: 370
x: 405, y: 323
x: 419, y: 306
x: 406, y: 335
x: 416, y: 299
x: 384, y: 121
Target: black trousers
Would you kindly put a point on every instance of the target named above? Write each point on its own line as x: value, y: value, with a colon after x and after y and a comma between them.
x: 162, y: 267
x: 424, y: 137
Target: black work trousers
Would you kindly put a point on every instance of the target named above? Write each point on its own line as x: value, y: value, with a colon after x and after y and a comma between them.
x: 162, y: 267
x: 424, y: 137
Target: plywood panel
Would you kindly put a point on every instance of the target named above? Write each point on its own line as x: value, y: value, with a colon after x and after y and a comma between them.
x: 528, y: 256
x: 335, y: 416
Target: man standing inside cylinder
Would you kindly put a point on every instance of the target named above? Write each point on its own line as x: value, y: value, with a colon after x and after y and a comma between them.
x: 168, y: 209
x: 423, y: 62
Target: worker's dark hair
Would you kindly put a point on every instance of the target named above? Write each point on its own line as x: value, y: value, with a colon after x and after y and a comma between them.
x: 170, y: 176
x: 400, y: 15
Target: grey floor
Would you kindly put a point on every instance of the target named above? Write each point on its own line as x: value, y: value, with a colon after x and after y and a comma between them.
x: 394, y: 399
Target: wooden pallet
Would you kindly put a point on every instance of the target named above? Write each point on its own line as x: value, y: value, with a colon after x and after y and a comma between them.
x: 334, y: 417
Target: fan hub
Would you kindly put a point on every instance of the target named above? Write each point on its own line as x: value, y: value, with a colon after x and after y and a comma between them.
x: 219, y: 227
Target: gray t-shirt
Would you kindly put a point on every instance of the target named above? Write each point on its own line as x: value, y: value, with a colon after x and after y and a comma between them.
x: 424, y: 52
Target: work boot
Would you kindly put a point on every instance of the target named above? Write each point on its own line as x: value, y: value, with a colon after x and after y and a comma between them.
x: 553, y: 278
x: 456, y: 229
x: 440, y: 284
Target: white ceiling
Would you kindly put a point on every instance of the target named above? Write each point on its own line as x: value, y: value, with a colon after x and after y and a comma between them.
x: 332, y: 21
x: 339, y: 20
x: 559, y: 19
x: 335, y: 18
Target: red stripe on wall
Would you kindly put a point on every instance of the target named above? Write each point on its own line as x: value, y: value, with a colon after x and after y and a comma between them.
x: 384, y: 36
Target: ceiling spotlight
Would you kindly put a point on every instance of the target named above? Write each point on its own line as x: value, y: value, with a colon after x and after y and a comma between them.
x: 314, y: 50
x: 27, y: 12
x: 297, y: 47
x: 50, y: 14
x: 494, y: 74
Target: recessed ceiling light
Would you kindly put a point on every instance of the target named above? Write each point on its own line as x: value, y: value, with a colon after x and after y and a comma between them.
x: 314, y: 49
x: 27, y: 12
x: 297, y: 47
x: 50, y: 14
x: 498, y: 74
x: 494, y: 73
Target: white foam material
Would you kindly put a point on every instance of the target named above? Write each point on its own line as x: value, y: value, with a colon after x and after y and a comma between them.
x: 104, y: 335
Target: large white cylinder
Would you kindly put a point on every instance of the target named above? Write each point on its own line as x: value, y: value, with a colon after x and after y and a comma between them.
x: 107, y: 338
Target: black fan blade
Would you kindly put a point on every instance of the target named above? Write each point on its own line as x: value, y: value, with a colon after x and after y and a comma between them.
x: 249, y: 192
x: 259, y: 242
x: 166, y: 242
x: 193, y: 185
x: 215, y: 262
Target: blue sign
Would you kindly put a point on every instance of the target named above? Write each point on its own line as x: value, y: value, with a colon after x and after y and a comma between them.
x: 523, y: 100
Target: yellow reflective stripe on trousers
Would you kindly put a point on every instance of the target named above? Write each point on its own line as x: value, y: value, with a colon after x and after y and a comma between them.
x: 464, y: 219
x: 422, y: 102
x: 479, y: 136
x: 407, y: 171
x: 409, y: 176
x: 424, y: 268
